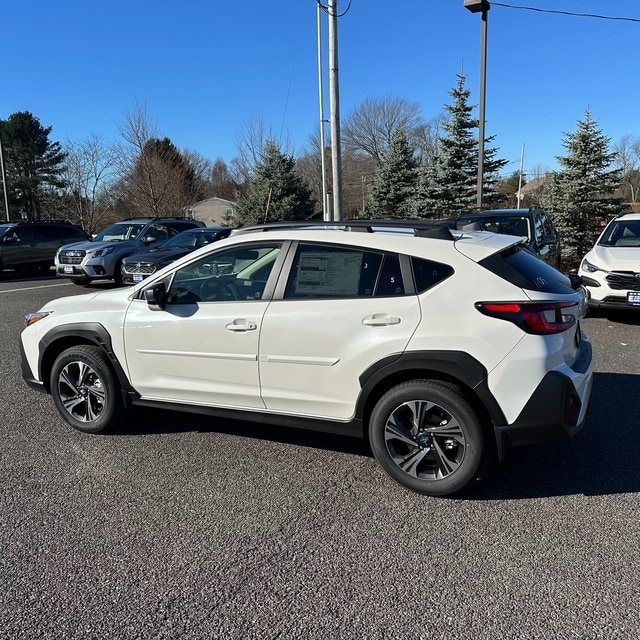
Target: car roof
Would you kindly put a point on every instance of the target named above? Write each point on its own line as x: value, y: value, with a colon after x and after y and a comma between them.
x: 497, y: 213
x: 628, y: 216
x: 385, y: 235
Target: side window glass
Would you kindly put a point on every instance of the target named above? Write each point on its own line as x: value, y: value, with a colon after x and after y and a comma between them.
x: 333, y: 272
x: 237, y: 273
x: 159, y: 232
x: 538, y: 227
x: 427, y: 273
x: 24, y: 234
x: 390, y: 281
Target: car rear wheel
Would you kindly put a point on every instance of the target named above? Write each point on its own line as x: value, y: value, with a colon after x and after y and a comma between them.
x: 427, y: 437
x: 85, y: 389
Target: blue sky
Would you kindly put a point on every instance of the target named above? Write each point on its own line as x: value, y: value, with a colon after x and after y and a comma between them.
x: 205, y: 67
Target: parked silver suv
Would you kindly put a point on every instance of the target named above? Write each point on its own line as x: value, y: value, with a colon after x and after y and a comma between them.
x: 101, y: 258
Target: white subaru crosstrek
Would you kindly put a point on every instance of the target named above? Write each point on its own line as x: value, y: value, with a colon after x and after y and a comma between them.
x: 442, y: 347
x: 611, y: 270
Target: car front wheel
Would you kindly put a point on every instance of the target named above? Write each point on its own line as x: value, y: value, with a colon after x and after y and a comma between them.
x: 427, y: 437
x: 85, y: 389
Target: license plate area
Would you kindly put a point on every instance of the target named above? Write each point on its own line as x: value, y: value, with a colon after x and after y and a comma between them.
x: 68, y: 268
x: 138, y: 278
x: 633, y: 298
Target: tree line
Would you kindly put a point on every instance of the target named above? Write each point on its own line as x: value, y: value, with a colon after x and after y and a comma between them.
x: 395, y: 164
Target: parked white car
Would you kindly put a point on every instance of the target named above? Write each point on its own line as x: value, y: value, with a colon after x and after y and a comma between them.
x: 611, y: 270
x: 442, y: 347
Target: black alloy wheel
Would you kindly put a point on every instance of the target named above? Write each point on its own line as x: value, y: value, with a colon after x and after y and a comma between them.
x: 85, y: 390
x: 427, y: 436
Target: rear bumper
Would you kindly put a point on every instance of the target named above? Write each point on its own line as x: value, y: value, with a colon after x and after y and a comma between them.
x: 556, y: 409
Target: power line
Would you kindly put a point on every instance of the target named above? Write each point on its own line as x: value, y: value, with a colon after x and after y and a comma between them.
x: 325, y: 8
x: 566, y: 13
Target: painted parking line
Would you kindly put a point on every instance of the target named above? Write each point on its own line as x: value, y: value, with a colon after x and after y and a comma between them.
x: 43, y: 286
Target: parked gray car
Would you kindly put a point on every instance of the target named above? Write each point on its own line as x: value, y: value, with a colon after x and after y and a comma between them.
x: 101, y: 258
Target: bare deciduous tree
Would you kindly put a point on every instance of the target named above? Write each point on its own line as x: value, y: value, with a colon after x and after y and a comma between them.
x: 369, y: 128
x: 90, y: 174
x: 157, y: 180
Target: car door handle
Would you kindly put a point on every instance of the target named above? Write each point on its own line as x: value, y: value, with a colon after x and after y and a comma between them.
x: 241, y: 325
x: 380, y: 320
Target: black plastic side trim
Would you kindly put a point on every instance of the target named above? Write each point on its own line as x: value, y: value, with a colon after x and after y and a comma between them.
x: 543, y: 418
x: 352, y: 429
x: 457, y: 365
x: 93, y: 332
x: 27, y: 374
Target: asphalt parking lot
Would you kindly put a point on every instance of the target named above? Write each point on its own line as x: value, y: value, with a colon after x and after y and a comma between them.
x: 181, y: 526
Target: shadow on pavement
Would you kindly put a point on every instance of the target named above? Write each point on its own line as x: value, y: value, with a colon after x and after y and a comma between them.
x: 600, y: 460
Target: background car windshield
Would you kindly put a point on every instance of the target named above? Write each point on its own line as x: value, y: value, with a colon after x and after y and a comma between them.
x: 4, y: 227
x: 190, y: 240
x: 622, y: 233
x: 120, y: 231
x: 507, y: 225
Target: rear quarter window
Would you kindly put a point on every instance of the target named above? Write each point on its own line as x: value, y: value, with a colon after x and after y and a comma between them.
x: 522, y: 268
x: 427, y: 273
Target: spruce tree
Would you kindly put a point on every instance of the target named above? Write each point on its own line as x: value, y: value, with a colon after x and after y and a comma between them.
x: 395, y: 182
x: 274, y: 191
x: 449, y: 187
x: 579, y: 197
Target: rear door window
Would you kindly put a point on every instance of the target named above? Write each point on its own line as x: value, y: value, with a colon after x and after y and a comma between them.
x: 326, y: 271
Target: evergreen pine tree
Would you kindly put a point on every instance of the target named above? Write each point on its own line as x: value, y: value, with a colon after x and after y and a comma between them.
x: 395, y: 182
x: 449, y: 187
x: 579, y: 197
x: 33, y: 162
x: 274, y: 191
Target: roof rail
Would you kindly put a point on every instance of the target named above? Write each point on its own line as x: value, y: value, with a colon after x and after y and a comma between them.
x: 440, y: 229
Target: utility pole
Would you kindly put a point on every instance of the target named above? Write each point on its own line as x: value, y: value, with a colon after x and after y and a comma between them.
x: 3, y: 175
x: 334, y: 106
x: 326, y: 207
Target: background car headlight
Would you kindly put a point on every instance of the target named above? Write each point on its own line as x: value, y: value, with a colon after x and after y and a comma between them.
x: 98, y: 253
x: 589, y: 267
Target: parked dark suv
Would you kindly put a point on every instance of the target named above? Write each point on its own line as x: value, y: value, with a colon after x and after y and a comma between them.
x: 33, y: 245
x: 533, y: 223
x: 101, y: 258
x: 141, y: 265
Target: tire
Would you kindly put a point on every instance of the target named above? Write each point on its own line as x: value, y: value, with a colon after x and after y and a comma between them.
x: 117, y: 275
x: 427, y: 437
x: 81, y: 282
x: 85, y: 389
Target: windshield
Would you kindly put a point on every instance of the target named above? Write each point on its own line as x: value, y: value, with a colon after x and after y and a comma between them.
x: 621, y: 233
x: 190, y: 240
x: 507, y: 225
x: 120, y: 231
x: 4, y: 227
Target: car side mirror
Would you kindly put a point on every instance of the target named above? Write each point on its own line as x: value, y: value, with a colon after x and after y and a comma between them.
x: 148, y: 240
x: 156, y: 296
x: 9, y: 240
x: 575, y: 280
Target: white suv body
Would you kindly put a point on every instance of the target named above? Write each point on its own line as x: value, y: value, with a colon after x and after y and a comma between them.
x: 443, y: 349
x: 611, y: 270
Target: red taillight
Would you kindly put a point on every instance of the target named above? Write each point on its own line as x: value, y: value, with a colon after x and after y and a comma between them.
x: 533, y: 317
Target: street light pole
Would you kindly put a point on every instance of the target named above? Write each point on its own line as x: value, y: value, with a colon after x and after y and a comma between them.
x: 481, y: 6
